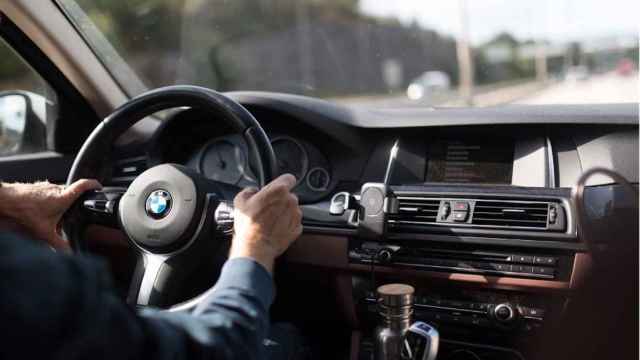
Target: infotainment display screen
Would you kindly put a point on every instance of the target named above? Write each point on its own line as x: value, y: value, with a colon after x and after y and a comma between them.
x: 479, y: 161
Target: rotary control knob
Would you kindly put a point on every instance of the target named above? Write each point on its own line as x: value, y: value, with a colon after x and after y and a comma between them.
x: 504, y: 313
x: 384, y: 256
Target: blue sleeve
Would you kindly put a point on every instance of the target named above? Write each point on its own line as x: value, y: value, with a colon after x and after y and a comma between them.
x: 231, y: 323
x: 66, y: 308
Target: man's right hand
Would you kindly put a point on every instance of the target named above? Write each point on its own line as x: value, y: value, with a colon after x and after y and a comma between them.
x: 266, y: 221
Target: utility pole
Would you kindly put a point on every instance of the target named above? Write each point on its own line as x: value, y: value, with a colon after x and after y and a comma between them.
x: 541, y: 61
x: 541, y: 48
x: 304, y: 44
x: 463, y: 52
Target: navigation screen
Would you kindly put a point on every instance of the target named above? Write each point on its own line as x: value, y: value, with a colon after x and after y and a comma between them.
x: 481, y: 161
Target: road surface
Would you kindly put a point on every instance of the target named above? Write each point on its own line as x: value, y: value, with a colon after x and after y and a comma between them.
x: 604, y: 88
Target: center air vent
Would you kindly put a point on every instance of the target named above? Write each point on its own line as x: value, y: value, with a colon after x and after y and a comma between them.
x: 420, y: 213
x: 511, y: 213
x: 416, y: 211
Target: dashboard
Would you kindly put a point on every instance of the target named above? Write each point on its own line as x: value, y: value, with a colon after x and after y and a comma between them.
x: 483, y: 216
x: 191, y: 139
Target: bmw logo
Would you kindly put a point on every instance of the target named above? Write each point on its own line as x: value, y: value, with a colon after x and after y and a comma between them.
x: 158, y: 204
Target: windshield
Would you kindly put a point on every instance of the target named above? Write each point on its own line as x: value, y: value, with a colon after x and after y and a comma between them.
x: 373, y: 53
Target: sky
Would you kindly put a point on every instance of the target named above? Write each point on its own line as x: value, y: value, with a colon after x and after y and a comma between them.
x: 555, y: 20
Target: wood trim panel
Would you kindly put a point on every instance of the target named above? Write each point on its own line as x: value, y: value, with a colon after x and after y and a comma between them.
x: 493, y: 282
x: 330, y: 252
x: 319, y: 250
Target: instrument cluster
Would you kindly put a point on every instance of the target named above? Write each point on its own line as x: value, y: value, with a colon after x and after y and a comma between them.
x: 226, y: 159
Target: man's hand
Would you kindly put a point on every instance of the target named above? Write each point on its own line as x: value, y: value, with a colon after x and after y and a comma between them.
x: 266, y: 221
x: 39, y: 207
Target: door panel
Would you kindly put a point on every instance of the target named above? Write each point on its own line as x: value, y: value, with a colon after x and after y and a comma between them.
x: 35, y: 167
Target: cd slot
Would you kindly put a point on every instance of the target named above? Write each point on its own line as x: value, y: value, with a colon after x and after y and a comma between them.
x: 479, y: 262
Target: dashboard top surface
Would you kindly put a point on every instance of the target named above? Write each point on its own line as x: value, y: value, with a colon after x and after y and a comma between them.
x: 622, y: 114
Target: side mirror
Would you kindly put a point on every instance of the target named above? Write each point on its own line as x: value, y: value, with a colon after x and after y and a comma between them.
x: 22, y: 122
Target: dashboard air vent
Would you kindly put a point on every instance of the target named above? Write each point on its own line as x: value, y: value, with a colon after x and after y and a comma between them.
x: 416, y: 211
x: 511, y: 214
x: 426, y: 213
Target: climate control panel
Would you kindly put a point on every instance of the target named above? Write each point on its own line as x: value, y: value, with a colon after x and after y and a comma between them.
x: 495, y: 313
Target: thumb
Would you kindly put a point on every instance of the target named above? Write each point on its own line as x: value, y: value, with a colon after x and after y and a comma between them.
x: 244, y: 195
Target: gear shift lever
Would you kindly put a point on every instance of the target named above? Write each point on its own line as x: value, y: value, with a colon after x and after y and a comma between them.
x: 422, y: 342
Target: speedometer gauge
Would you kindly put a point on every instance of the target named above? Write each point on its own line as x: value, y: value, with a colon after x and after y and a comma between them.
x: 223, y: 161
x: 292, y: 157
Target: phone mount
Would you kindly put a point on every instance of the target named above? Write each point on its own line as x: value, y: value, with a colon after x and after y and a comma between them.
x: 371, y: 207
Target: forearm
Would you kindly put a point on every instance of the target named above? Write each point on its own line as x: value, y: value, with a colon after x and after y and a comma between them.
x: 263, y: 255
x: 80, y: 314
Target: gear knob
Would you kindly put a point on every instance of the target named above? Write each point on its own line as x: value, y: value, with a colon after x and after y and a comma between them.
x: 421, y: 342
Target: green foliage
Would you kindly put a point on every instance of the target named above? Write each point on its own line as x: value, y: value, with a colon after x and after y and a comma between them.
x: 11, y: 68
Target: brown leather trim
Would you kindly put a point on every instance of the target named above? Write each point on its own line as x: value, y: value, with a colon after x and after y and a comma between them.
x: 319, y: 250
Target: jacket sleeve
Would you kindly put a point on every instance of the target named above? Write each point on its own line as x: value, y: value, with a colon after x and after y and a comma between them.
x: 61, y: 306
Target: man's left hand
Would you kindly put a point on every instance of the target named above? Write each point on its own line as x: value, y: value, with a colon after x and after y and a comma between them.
x: 39, y: 207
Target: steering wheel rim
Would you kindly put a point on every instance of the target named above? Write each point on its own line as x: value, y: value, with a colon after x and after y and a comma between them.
x: 122, y: 209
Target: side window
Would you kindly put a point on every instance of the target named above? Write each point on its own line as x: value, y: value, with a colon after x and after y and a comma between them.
x: 27, y: 103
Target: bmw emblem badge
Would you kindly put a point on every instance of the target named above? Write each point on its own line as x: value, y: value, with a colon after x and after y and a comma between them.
x: 158, y: 204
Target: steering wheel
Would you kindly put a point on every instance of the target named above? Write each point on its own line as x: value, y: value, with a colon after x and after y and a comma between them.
x: 174, y: 217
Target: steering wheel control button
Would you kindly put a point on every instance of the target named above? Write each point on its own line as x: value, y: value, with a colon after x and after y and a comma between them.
x: 158, y: 204
x: 224, y: 216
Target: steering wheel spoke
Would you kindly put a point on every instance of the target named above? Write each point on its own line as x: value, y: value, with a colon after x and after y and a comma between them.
x: 101, y: 206
x: 142, y: 291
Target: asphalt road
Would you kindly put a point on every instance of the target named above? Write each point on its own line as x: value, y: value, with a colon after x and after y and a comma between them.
x: 604, y: 88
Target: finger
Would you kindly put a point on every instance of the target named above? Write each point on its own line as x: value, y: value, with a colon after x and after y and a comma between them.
x: 297, y: 232
x: 70, y: 194
x: 295, y: 216
x: 293, y: 198
x: 79, y: 187
x: 243, y: 196
x: 278, y: 187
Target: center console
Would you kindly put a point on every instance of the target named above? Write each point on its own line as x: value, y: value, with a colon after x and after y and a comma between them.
x: 490, y: 262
